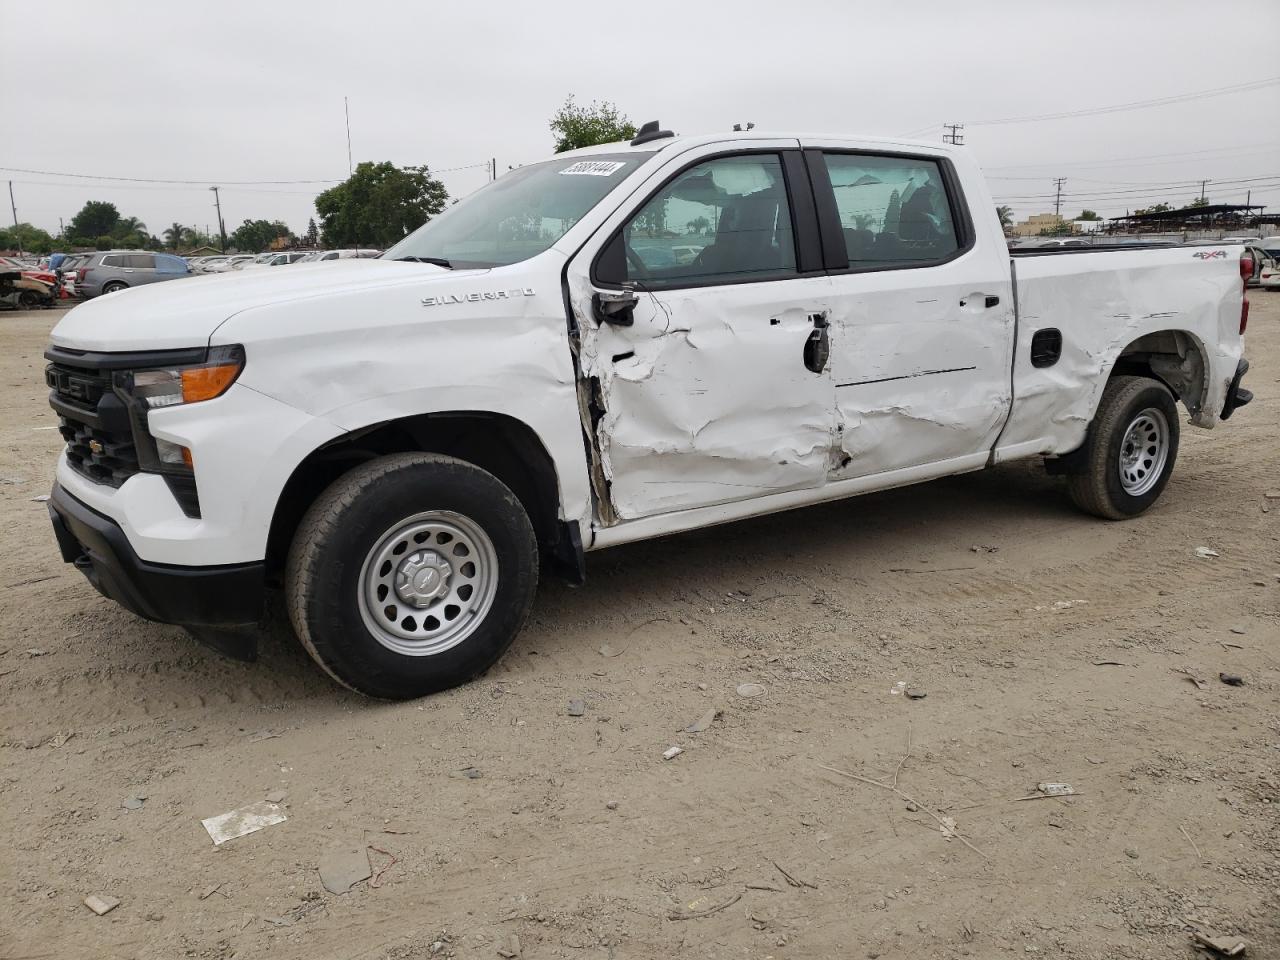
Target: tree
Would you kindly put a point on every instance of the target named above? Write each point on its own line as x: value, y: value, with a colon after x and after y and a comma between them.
x: 698, y: 226
x: 1088, y: 215
x: 27, y: 238
x: 313, y: 233
x: 379, y: 204
x: 1197, y: 202
x: 574, y: 126
x: 174, y: 234
x: 1156, y: 208
x: 95, y: 219
x: 256, y: 235
x: 1006, y: 216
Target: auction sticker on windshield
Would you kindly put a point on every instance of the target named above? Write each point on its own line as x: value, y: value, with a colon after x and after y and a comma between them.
x: 593, y: 168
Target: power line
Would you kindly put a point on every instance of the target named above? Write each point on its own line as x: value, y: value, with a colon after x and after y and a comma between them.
x: 954, y: 134
x: 201, y: 183
x: 1269, y: 147
x: 1133, y: 105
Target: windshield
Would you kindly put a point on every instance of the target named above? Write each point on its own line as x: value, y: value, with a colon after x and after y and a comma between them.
x: 519, y: 215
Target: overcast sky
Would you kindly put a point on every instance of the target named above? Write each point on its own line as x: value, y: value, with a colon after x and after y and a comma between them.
x: 227, y: 90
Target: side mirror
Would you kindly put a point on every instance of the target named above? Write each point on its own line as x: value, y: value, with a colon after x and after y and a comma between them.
x: 614, y: 306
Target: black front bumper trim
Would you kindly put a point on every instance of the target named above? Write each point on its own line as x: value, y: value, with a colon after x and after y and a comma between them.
x: 220, y: 596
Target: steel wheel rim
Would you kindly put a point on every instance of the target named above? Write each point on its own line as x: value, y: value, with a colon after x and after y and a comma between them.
x: 428, y: 583
x: 1144, y: 450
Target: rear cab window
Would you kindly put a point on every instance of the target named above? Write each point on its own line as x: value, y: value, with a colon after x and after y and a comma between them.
x: 895, y: 211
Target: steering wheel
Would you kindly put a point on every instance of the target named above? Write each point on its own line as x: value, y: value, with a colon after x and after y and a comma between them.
x: 633, y: 258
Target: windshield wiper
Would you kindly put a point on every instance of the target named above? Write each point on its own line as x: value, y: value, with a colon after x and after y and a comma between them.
x: 435, y: 261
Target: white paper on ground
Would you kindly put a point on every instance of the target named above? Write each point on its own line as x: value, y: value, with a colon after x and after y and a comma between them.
x: 245, y: 820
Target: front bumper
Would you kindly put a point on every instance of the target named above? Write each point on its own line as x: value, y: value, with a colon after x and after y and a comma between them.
x: 228, y: 595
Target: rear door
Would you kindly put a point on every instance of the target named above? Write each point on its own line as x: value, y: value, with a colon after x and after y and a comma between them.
x: 141, y: 267
x: 923, y: 321
x: 704, y: 386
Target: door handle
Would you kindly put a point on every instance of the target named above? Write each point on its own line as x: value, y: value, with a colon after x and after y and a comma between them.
x: 817, y: 346
x: 992, y: 301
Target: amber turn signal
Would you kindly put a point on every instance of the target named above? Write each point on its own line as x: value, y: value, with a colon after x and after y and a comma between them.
x: 205, y: 383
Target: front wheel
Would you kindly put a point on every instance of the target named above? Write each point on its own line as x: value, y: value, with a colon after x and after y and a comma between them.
x: 1130, y: 449
x: 411, y: 574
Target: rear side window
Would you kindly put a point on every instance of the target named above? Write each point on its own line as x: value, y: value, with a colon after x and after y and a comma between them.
x: 112, y: 260
x: 894, y: 211
x: 726, y: 220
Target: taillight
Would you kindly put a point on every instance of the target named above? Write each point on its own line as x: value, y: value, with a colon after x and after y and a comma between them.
x: 1246, y: 274
x: 82, y: 273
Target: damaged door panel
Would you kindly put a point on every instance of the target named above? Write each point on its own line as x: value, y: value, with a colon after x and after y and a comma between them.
x: 702, y: 344
x: 923, y: 322
x: 706, y: 398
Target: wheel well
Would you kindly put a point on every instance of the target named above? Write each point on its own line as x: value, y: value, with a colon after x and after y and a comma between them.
x: 1173, y: 357
x: 502, y: 445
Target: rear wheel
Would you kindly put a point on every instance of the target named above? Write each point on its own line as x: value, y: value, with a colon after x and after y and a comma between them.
x: 1130, y: 449
x: 411, y: 574
x: 114, y: 285
x: 28, y: 299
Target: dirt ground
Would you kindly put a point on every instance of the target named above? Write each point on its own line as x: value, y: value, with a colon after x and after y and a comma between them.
x: 1050, y: 646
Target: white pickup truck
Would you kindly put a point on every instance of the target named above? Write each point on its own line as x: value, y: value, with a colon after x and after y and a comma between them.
x: 614, y: 344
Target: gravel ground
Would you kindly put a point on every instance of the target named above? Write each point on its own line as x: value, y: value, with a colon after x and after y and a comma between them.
x: 1051, y: 647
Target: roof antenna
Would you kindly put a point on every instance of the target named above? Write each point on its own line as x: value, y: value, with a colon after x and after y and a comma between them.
x: 737, y: 127
x: 650, y: 132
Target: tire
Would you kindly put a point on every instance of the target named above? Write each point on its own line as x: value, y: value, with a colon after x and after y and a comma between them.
x: 114, y: 285
x: 28, y: 299
x: 1129, y: 451
x: 451, y: 536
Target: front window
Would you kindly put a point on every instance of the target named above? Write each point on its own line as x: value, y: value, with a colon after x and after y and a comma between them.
x: 519, y: 215
x: 722, y: 221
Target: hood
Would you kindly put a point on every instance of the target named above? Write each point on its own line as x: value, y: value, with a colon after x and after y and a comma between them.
x: 174, y: 314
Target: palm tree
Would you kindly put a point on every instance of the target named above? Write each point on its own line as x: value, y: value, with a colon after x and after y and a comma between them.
x: 1006, y: 216
x: 174, y: 235
x: 130, y: 225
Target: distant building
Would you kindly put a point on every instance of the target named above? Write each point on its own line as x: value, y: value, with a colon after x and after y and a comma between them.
x: 1036, y: 223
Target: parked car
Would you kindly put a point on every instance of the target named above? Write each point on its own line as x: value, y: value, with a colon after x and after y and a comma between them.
x: 29, y: 271
x: 67, y: 271
x: 322, y: 255
x: 207, y: 263
x: 227, y: 264
x: 116, y: 270
x: 1261, y: 260
x: 1272, y: 246
x: 277, y: 259
x: 406, y: 444
x: 1269, y: 277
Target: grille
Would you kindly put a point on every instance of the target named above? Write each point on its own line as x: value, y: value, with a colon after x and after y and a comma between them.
x: 94, y: 423
x: 99, y: 455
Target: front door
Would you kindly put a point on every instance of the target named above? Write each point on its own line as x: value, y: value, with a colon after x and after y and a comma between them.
x: 923, y: 320
x: 701, y: 319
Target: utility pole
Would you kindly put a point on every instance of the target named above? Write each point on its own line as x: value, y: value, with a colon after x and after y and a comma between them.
x: 954, y: 134
x: 1202, y: 183
x: 222, y: 230
x: 347, y: 110
x: 1057, y: 197
x: 493, y: 169
x: 16, y: 232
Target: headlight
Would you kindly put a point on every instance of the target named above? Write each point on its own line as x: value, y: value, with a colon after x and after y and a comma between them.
x: 156, y: 389
x: 188, y: 384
